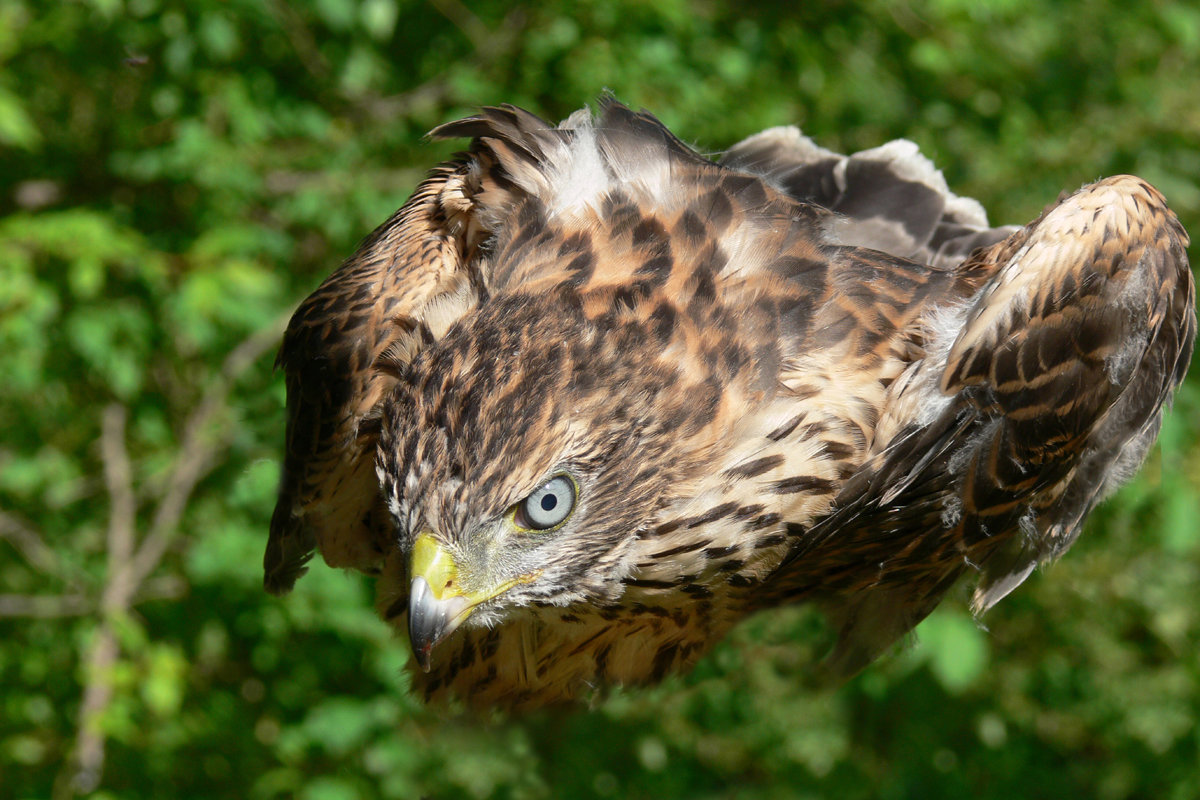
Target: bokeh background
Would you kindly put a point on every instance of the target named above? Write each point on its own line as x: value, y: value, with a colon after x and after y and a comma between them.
x: 175, y: 177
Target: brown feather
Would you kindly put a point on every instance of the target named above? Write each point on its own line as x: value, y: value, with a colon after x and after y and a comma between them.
x: 754, y: 407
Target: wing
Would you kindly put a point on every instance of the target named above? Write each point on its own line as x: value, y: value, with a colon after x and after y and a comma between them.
x: 1033, y: 402
x: 890, y: 198
x: 349, y: 342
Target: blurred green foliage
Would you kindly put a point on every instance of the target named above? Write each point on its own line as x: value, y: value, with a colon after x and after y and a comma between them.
x: 174, y: 177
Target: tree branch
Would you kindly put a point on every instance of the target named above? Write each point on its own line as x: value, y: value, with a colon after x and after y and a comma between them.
x: 122, y: 516
x: 129, y: 565
x: 200, y: 447
x: 45, y: 605
x: 466, y: 21
x: 87, y: 761
x: 301, y: 38
x: 28, y: 542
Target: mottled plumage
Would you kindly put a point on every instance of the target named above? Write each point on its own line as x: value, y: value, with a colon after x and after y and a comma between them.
x: 589, y: 399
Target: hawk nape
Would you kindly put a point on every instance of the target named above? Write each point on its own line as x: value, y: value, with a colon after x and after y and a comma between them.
x: 588, y: 399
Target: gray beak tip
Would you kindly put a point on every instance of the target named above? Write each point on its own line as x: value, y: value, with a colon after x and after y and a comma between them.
x: 430, y: 620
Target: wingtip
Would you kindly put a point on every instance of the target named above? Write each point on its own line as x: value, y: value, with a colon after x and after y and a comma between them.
x: 290, y: 547
x: 281, y: 570
x: 280, y: 573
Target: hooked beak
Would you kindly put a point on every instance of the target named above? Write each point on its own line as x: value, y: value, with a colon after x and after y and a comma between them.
x: 437, y: 602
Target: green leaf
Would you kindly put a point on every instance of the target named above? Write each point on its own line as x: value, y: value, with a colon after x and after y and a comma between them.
x: 17, y: 128
x: 329, y: 788
x: 165, y: 681
x: 339, y: 725
x: 955, y: 647
x: 379, y: 18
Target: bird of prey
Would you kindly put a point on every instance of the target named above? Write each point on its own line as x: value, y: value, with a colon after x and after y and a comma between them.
x: 589, y: 398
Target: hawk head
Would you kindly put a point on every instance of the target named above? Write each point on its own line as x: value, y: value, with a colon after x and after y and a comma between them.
x: 524, y: 453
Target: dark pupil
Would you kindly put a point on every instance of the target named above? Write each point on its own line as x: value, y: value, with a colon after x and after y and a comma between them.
x: 548, y: 503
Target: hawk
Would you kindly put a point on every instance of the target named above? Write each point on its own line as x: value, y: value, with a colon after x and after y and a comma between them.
x: 589, y: 398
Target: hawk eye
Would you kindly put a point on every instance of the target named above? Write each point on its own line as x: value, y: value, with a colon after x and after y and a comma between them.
x: 549, y: 505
